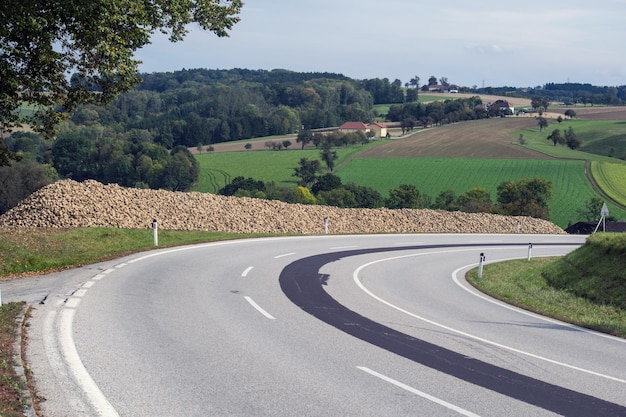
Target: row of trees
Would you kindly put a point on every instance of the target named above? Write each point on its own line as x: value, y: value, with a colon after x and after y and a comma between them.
x: 525, y: 197
x: 131, y: 159
x: 440, y: 112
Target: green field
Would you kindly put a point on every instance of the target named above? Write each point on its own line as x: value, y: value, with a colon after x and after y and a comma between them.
x: 218, y: 169
x: 611, y: 178
x: 571, y: 189
x: 599, y: 139
x: 433, y: 172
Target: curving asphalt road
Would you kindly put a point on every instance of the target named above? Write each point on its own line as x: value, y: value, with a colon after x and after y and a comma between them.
x: 380, y: 325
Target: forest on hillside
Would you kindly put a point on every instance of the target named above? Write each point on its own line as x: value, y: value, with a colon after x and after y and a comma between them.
x: 142, y: 138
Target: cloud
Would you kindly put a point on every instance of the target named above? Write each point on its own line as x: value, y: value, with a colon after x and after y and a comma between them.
x: 510, y: 43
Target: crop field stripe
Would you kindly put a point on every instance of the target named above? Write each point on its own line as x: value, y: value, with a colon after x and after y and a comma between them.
x: 611, y: 178
x: 431, y: 176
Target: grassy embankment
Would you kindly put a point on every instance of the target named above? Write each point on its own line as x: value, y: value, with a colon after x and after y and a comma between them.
x: 12, y: 387
x: 587, y: 287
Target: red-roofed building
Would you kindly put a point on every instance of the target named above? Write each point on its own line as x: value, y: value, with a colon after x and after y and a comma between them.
x: 379, y: 129
x: 354, y: 127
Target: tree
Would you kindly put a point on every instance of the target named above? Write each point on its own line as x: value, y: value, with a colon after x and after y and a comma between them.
x: 407, y: 124
x: 556, y: 137
x: 70, y: 156
x: 240, y: 183
x: 476, y: 200
x: 570, y: 113
x: 329, y: 156
x: 404, y: 196
x: 432, y: 80
x: 42, y: 42
x: 326, y: 182
x: 339, y: 197
x: 539, y: 103
x: 415, y: 82
x: 305, y: 136
x: 592, y: 210
x: 307, y: 171
x: 571, y: 140
x: 411, y: 95
x: 542, y: 122
x: 525, y: 197
x: 20, y: 179
x: 446, y: 201
x: 365, y: 197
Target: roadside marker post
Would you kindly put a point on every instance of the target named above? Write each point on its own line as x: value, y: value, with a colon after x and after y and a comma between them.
x: 604, y: 213
x: 530, y: 248
x: 480, y: 265
x: 325, y: 225
x: 155, y: 232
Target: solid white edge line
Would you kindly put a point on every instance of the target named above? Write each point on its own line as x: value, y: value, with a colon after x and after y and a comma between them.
x: 258, y: 308
x: 502, y: 304
x: 355, y: 276
x: 418, y: 392
x: 92, y: 392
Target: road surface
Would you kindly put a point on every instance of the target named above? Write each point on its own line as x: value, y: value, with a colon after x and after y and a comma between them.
x: 379, y: 325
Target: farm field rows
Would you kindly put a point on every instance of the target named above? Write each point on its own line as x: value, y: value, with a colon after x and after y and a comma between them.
x: 612, y: 179
x: 433, y: 175
x: 218, y: 169
x: 458, y: 157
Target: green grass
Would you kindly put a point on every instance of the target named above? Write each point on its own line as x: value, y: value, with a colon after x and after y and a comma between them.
x: 24, y: 251
x: 12, y: 400
x: 571, y: 190
x: 598, y: 137
x: 611, y: 178
x: 587, y: 287
x: 218, y: 169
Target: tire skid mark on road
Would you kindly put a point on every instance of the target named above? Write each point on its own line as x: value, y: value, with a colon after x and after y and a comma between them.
x: 468, y: 335
x: 300, y: 283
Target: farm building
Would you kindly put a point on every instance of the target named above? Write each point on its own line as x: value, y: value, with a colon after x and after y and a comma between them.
x: 353, y: 127
x: 379, y: 129
x: 452, y: 88
x: 502, y: 104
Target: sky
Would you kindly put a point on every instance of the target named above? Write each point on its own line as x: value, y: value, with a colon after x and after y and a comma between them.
x: 496, y: 43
